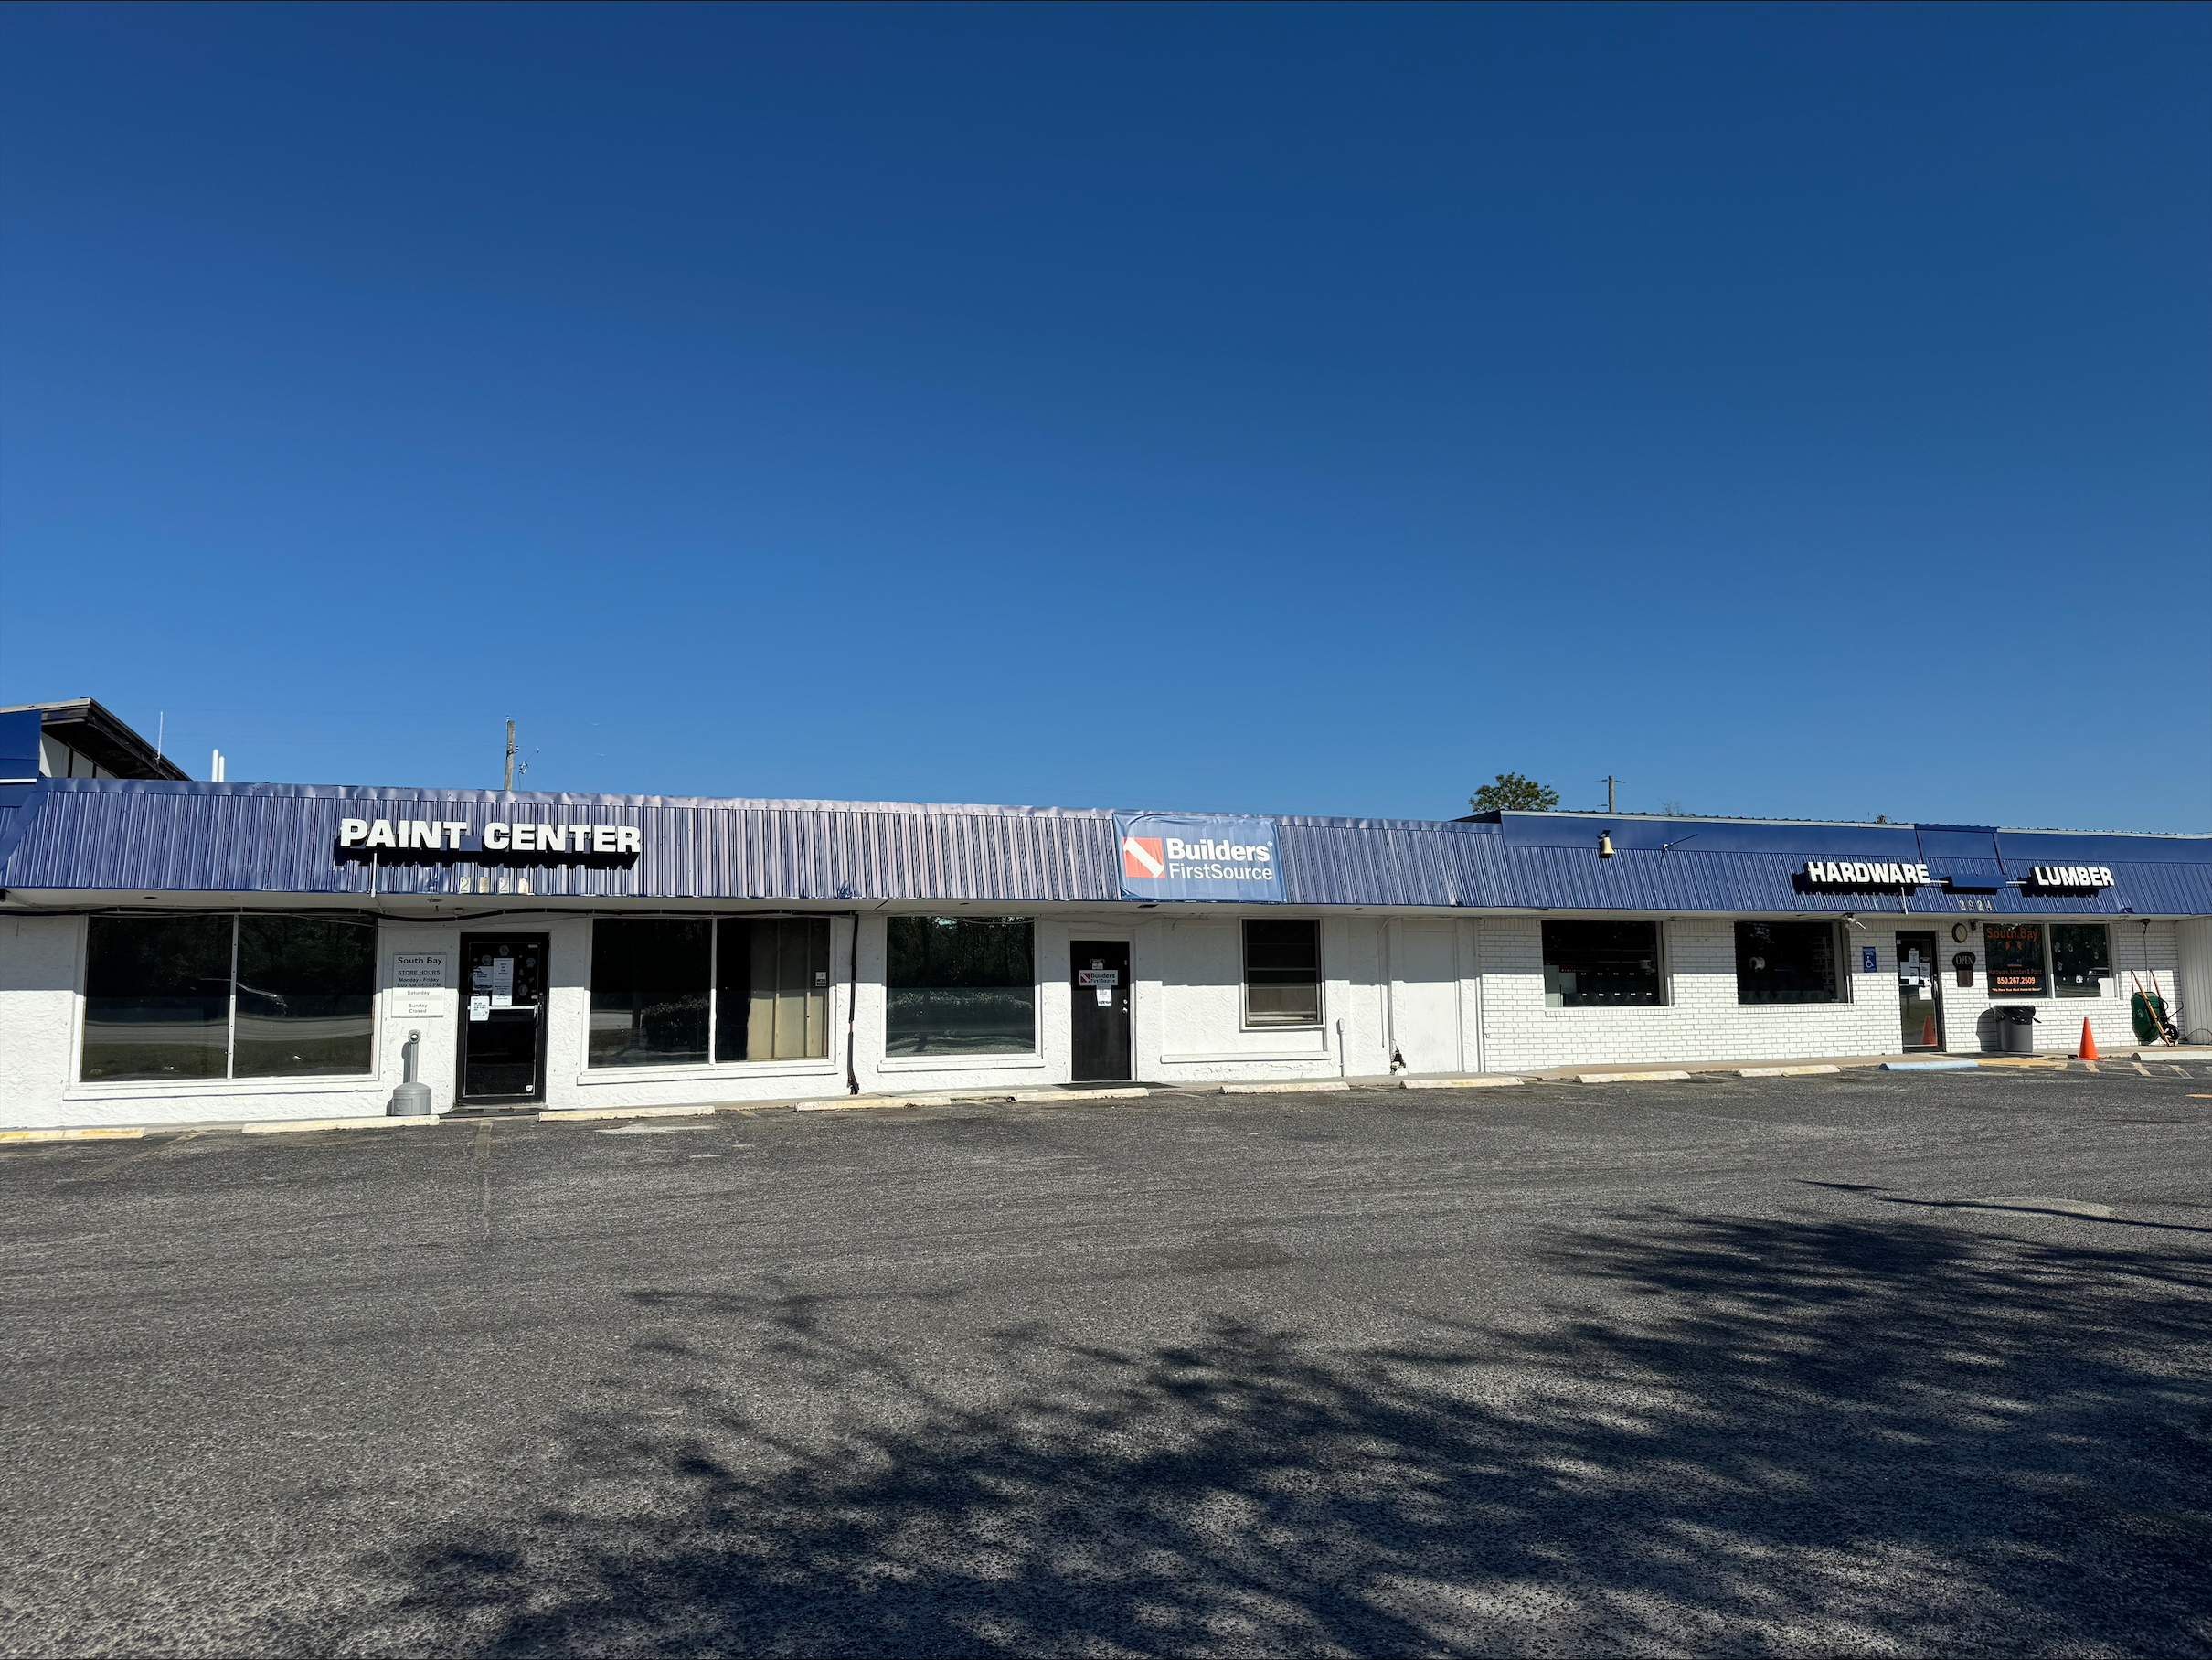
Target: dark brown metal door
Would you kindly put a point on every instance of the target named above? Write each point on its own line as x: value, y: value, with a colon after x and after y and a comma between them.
x: 1097, y: 993
x: 503, y: 1026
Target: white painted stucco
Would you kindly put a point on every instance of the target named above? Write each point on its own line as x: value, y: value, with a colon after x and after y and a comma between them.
x: 1449, y: 992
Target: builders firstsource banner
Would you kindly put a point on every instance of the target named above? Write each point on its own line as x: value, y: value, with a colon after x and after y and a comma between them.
x: 1171, y: 855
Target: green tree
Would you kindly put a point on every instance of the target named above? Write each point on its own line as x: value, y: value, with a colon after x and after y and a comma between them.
x: 1512, y: 792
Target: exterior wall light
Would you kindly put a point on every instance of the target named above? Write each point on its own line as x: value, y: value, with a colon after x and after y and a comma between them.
x: 1605, y: 843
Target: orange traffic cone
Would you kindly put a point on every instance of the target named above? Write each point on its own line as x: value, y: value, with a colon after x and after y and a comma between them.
x: 1927, y: 1037
x: 2089, y: 1044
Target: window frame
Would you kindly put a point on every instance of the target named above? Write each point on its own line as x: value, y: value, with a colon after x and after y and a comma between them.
x: 953, y: 1060
x: 2050, y: 959
x: 714, y: 919
x: 1662, y: 964
x: 1838, y: 945
x: 714, y: 1002
x: 227, y: 1080
x: 647, y: 1068
x: 1244, y: 979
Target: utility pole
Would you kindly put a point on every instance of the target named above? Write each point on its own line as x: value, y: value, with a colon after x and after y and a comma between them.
x: 509, y: 785
x: 1610, y: 780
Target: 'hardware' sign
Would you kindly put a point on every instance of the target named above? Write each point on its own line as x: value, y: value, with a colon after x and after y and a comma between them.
x: 1830, y: 873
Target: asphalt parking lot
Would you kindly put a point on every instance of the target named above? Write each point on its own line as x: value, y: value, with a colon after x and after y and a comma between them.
x: 1866, y: 1364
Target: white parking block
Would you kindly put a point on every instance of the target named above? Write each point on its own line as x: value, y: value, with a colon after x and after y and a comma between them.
x: 1782, y: 1072
x: 1282, y: 1089
x: 1632, y: 1078
x: 1488, y: 1080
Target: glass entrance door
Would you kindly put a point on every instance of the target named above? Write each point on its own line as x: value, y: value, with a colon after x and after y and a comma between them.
x: 1918, y: 993
x: 503, y: 1033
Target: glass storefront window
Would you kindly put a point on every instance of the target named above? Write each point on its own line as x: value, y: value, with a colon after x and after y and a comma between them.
x: 307, y: 997
x: 651, y: 979
x: 1786, y: 963
x: 2082, y: 959
x: 1602, y: 965
x: 2014, y: 951
x: 156, y: 997
x: 960, y: 985
x: 227, y: 996
x: 1282, y: 973
x: 772, y: 988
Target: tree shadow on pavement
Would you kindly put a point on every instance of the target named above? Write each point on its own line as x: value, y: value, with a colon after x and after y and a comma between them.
x: 1773, y: 1436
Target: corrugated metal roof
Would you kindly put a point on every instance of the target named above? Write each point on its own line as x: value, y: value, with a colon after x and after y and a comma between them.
x: 264, y: 838
x: 116, y: 835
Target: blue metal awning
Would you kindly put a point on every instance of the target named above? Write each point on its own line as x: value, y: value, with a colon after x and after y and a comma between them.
x: 108, y: 837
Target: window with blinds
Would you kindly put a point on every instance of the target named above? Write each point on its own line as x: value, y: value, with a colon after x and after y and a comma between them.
x: 772, y: 989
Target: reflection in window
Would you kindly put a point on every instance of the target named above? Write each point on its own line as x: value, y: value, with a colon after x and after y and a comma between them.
x: 771, y: 986
x: 2015, y: 959
x: 307, y: 997
x: 2082, y: 959
x: 160, y: 997
x: 1785, y: 963
x: 960, y: 985
x: 156, y: 997
x: 651, y: 981
x: 1283, y: 973
x: 1601, y: 964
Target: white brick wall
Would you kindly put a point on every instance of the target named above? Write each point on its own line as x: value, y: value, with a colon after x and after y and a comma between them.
x: 1703, y: 1020
x: 2137, y: 947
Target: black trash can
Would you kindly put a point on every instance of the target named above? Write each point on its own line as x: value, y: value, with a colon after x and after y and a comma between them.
x: 2016, y: 1027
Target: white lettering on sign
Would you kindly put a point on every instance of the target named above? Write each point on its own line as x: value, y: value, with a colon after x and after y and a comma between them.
x: 2073, y: 876
x: 1849, y: 873
x: 1236, y: 853
x: 445, y: 834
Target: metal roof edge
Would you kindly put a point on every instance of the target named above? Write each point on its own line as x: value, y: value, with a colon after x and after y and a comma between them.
x: 574, y: 798
x: 1486, y: 823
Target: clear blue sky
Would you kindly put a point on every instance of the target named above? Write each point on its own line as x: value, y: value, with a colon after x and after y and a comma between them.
x: 1799, y: 410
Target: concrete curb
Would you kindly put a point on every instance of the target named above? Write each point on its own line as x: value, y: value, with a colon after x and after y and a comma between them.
x: 851, y: 1103
x: 282, y: 1125
x: 1488, y: 1080
x: 1632, y: 1078
x: 81, y: 1133
x: 575, y: 1114
x: 1782, y: 1072
x: 1282, y: 1089
x: 1930, y: 1066
x: 1129, y: 1094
